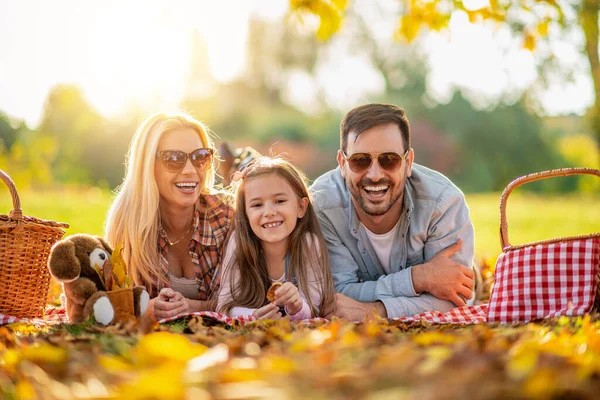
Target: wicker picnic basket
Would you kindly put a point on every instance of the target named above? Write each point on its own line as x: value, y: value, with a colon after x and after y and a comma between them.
x: 25, y: 244
x: 546, y: 278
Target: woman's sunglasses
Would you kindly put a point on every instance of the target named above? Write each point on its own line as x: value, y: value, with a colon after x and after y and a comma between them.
x: 174, y: 160
x: 389, y: 161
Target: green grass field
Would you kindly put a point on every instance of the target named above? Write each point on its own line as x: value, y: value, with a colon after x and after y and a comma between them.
x: 530, y: 217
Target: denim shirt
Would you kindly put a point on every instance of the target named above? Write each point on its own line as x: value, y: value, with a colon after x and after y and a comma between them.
x: 434, y: 216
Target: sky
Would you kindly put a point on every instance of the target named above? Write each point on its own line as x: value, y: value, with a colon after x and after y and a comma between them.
x: 138, y: 52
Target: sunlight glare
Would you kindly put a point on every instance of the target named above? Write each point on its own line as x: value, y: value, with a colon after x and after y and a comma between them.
x: 472, y: 5
x: 499, y: 69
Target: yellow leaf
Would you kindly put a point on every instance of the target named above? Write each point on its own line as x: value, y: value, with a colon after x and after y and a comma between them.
x: 522, y: 363
x: 330, y: 13
x: 541, y: 384
x: 340, y: 4
x: 350, y: 339
x: 542, y: 28
x: 373, y: 328
x: 436, y: 356
x: 45, y: 353
x: 114, y: 364
x: 409, y: 28
x: 98, y: 270
x: 473, y: 16
x: 23, y: 328
x: 24, y: 390
x: 159, y: 347
x: 240, y: 370
x: 163, y: 382
x: 278, y: 364
x: 119, y: 269
x: 10, y: 359
x: 430, y: 338
x: 439, y: 22
x: 528, y: 41
x: 331, y: 20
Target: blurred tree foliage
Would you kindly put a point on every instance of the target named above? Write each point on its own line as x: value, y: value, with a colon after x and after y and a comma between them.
x: 531, y: 21
x: 481, y: 150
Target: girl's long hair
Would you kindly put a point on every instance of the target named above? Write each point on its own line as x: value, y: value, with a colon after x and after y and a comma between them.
x: 250, y: 263
x: 133, y: 218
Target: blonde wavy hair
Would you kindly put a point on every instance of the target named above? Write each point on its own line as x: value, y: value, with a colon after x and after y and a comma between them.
x: 133, y: 218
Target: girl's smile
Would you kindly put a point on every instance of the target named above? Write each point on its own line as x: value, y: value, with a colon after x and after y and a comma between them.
x: 272, y: 207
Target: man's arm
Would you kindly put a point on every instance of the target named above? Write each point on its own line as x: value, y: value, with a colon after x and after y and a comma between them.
x: 448, y: 269
x: 397, y: 307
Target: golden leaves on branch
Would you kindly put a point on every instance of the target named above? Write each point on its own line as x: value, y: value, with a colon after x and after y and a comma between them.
x: 421, y: 13
x: 329, y: 12
x: 535, y: 16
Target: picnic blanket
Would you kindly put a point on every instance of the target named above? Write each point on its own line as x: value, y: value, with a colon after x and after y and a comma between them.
x: 52, y: 316
x: 461, y: 315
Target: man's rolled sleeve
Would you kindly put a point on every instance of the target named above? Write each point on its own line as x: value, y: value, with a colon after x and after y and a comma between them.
x: 399, y: 307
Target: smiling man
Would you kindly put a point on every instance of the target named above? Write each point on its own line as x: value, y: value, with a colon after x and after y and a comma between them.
x: 399, y: 236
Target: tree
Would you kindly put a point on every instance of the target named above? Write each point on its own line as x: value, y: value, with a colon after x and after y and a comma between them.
x: 8, y: 133
x: 530, y: 19
x: 89, y: 149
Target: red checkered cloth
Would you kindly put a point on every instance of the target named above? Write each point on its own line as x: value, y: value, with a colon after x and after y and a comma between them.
x: 545, y: 280
x: 460, y: 315
x: 52, y: 316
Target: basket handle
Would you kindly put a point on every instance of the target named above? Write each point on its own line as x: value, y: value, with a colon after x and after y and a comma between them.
x: 531, y: 178
x: 16, y: 213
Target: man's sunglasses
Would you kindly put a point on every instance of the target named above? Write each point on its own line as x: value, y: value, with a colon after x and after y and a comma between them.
x: 389, y: 161
x: 174, y: 160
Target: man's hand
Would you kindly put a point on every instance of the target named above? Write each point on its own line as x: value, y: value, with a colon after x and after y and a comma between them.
x: 169, y: 303
x: 444, y: 278
x: 352, y: 310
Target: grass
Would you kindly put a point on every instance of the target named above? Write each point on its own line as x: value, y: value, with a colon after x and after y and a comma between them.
x: 530, y: 217
x: 84, y: 209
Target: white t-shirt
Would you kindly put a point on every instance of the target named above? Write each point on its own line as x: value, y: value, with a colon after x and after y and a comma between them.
x: 382, y: 244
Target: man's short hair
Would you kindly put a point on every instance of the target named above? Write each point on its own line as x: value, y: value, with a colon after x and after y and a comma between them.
x: 366, y: 117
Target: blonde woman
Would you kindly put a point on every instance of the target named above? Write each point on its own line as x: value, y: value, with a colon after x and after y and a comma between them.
x: 171, y: 222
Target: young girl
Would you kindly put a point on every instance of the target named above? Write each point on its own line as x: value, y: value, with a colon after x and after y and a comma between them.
x: 276, y: 238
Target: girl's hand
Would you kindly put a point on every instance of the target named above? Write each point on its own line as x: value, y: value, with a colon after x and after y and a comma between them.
x: 170, y: 303
x: 288, y: 296
x: 270, y: 311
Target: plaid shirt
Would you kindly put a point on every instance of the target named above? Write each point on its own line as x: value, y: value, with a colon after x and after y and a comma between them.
x: 212, y: 221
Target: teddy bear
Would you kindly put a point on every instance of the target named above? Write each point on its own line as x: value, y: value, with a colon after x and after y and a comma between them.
x: 80, y: 263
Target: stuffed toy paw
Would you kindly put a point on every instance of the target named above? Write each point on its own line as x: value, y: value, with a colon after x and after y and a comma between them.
x: 82, y: 263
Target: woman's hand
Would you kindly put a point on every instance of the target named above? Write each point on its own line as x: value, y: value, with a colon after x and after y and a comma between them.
x: 287, y: 296
x: 170, y: 303
x: 270, y: 311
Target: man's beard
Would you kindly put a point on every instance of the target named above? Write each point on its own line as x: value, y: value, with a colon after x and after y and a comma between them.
x: 381, y: 208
